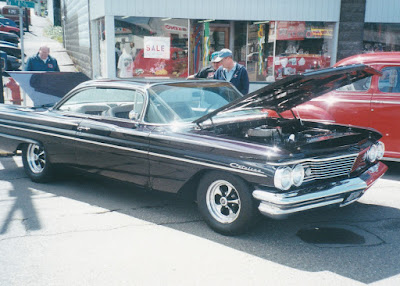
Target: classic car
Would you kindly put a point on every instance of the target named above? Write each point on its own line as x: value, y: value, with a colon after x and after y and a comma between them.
x: 9, y: 37
x: 9, y: 29
x: 372, y: 102
x: 204, y: 140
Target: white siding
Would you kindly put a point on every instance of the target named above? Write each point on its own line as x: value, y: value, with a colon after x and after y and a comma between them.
x: 382, y: 11
x: 77, y: 11
x: 284, y: 10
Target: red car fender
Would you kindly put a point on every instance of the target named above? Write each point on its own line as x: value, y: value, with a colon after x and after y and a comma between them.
x: 311, y: 111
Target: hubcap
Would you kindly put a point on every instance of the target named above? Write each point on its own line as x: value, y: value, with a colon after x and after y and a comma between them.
x: 36, y: 158
x: 223, y: 201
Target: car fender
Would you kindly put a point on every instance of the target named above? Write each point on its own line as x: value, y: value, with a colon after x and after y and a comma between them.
x: 313, y: 112
x: 12, y: 143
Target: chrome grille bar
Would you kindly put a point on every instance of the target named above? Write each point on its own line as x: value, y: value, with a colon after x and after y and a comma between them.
x: 328, y: 168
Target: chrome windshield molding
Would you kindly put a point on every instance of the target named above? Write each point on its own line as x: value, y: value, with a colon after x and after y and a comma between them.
x: 279, y: 205
x: 312, y: 160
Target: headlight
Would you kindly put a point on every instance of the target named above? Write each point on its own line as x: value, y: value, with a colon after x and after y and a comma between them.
x: 372, y: 153
x: 283, y: 178
x: 380, y: 150
x: 298, y: 175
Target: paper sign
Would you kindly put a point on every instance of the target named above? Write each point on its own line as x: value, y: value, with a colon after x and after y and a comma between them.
x: 157, y: 47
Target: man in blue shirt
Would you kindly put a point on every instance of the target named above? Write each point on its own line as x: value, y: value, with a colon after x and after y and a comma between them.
x: 231, y: 71
x: 42, y: 61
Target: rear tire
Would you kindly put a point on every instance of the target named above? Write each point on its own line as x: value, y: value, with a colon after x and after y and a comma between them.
x: 226, y: 203
x: 36, y: 163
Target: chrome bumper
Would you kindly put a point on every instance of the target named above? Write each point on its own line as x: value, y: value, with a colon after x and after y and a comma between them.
x: 279, y: 205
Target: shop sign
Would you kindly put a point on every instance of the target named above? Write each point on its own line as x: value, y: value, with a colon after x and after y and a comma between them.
x: 175, y: 29
x: 292, y: 30
x: 121, y: 30
x: 157, y: 47
x: 317, y: 33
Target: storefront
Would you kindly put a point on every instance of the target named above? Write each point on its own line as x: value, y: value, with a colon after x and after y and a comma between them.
x: 173, y: 48
x: 164, y: 42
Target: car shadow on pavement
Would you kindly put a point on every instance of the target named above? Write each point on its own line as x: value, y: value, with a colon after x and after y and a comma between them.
x: 375, y: 256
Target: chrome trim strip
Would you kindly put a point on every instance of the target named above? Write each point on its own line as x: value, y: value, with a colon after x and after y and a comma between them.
x: 142, y: 152
x: 385, y: 102
x: 313, y: 160
x: 275, y: 212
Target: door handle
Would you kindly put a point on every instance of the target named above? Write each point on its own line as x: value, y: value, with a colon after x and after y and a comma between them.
x: 83, y: 128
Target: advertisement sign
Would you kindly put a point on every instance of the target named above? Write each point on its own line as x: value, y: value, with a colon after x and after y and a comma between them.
x: 157, y: 47
x: 293, y: 30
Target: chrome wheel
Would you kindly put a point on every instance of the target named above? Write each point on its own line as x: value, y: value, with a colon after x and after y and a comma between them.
x: 36, y: 158
x: 223, y: 201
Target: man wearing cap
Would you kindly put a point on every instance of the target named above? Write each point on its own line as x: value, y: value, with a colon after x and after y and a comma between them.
x: 231, y: 71
x: 208, y: 71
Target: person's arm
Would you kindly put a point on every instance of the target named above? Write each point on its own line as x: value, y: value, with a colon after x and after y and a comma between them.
x: 244, y: 79
x: 56, y: 67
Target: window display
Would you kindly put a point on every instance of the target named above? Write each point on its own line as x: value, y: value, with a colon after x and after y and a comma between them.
x: 152, y: 47
x: 381, y: 37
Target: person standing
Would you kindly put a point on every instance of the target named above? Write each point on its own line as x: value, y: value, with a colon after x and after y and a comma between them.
x: 231, y: 71
x: 208, y: 71
x: 42, y: 61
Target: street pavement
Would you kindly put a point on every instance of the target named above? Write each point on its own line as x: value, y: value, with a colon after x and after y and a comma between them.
x: 82, y: 230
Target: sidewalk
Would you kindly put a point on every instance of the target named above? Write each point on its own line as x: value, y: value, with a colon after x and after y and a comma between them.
x: 35, y: 38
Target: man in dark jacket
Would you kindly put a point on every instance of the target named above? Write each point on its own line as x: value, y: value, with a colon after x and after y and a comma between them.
x: 208, y: 71
x: 42, y: 61
x: 231, y: 71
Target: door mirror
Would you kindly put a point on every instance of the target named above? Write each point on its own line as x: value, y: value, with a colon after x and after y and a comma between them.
x: 133, y: 115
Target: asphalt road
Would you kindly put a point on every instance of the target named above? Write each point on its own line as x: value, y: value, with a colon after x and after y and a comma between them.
x: 88, y: 231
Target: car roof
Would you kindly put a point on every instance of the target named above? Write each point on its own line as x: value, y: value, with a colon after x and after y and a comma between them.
x: 381, y: 57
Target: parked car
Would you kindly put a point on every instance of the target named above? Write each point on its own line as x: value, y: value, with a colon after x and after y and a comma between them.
x: 12, y: 12
x: 204, y: 139
x: 7, y: 22
x: 9, y: 29
x: 13, y: 63
x: 9, y: 37
x: 371, y: 102
x: 11, y: 50
x: 8, y: 44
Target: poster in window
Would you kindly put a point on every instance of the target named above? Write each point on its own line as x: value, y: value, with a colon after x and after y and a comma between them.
x: 157, y: 47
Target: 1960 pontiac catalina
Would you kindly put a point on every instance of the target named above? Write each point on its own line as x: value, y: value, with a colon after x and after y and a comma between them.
x: 205, y: 139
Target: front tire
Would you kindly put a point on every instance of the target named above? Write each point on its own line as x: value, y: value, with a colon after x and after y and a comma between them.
x: 36, y: 163
x: 226, y: 203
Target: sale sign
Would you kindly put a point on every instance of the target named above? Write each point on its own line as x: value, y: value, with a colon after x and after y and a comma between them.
x: 157, y: 47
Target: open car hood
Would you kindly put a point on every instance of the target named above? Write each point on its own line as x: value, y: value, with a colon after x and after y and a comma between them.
x: 294, y: 90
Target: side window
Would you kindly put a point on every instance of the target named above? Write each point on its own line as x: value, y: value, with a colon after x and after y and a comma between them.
x: 359, y: 85
x: 389, y: 80
x: 108, y: 102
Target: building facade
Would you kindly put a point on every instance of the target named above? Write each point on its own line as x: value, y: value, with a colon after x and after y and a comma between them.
x: 175, y: 38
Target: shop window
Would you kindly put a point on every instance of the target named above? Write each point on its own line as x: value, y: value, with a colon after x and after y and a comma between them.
x: 299, y: 47
x: 389, y: 81
x: 151, y: 47
x: 381, y: 37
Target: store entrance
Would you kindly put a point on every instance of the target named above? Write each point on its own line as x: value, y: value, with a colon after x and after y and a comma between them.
x: 219, y: 36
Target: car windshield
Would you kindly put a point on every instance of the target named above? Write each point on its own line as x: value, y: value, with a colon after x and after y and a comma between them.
x: 187, y: 101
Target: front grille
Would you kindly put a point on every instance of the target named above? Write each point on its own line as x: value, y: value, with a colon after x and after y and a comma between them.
x: 319, y: 169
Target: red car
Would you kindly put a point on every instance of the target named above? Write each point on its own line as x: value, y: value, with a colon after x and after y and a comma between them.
x: 9, y: 29
x: 371, y: 102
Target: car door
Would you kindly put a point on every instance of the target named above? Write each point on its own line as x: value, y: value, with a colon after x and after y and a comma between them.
x: 110, y: 141
x: 385, y: 108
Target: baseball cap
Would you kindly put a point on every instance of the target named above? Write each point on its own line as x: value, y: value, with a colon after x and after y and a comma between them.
x: 223, y: 54
x: 214, y: 57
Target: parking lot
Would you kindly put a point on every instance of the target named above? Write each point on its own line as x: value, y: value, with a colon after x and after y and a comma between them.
x: 82, y: 230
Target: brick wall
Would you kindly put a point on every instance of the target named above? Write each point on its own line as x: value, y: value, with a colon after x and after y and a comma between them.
x: 351, y: 28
